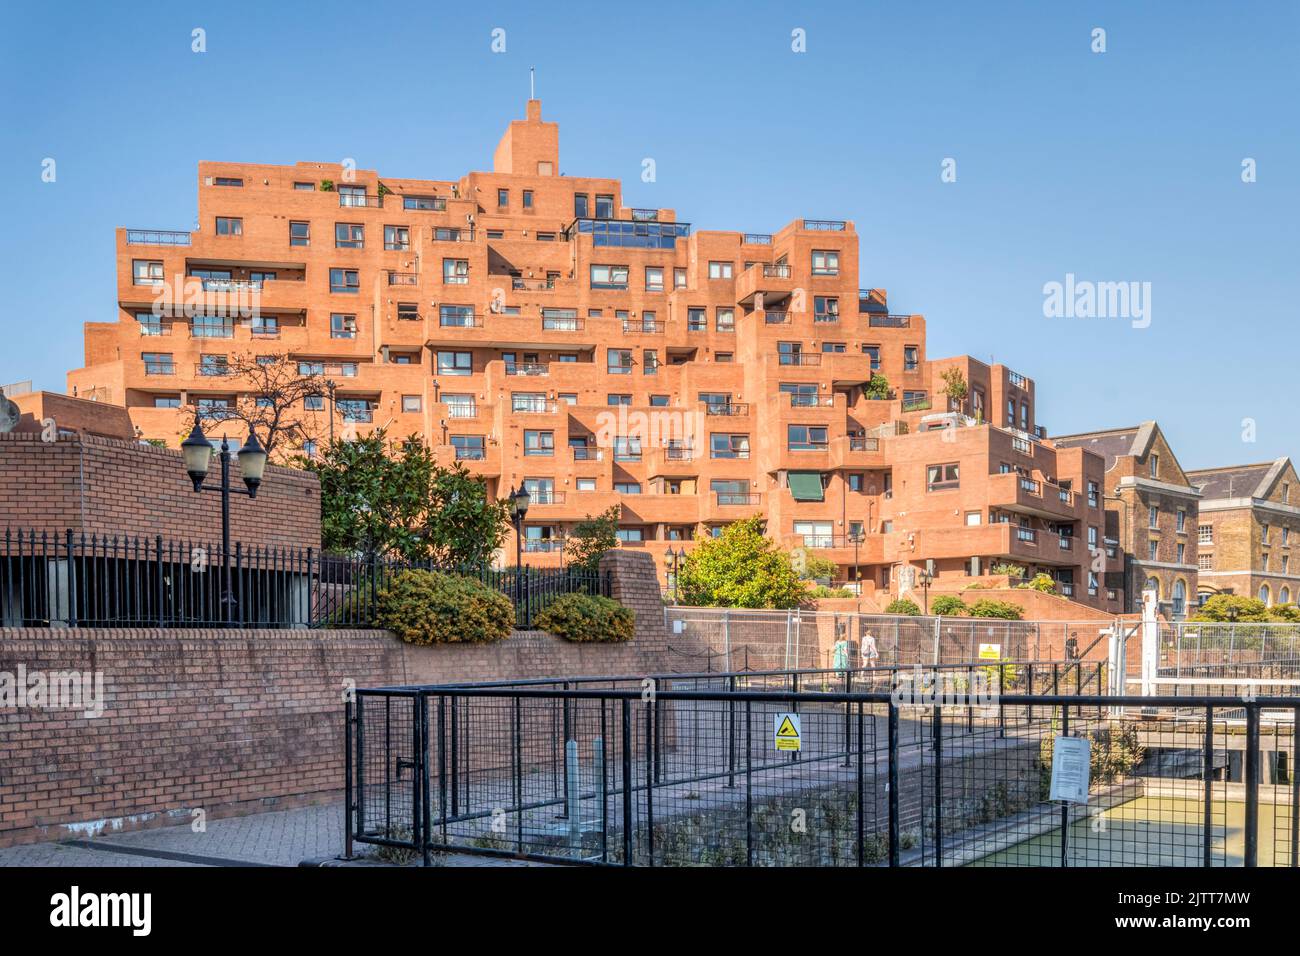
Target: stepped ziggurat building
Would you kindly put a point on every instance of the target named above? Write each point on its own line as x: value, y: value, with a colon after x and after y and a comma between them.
x: 529, y: 325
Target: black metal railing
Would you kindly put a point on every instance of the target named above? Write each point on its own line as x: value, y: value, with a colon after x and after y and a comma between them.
x: 709, y: 768
x: 73, y: 579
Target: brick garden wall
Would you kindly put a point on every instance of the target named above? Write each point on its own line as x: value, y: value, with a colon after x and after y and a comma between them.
x: 108, y: 486
x: 240, y: 721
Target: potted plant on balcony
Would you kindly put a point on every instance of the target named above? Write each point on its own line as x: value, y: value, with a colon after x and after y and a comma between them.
x: 327, y: 185
x: 955, y: 388
x: 877, y: 389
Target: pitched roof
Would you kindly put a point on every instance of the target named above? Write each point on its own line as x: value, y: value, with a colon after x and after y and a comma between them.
x: 1237, y: 481
x: 1111, y: 444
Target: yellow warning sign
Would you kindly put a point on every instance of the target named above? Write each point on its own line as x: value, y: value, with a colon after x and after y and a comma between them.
x: 786, y: 732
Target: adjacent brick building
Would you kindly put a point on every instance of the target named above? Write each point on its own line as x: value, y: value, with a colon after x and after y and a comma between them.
x: 1151, y: 515
x: 1249, y: 531
x: 532, y: 326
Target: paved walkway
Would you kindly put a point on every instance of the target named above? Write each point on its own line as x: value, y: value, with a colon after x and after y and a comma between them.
x: 278, y: 838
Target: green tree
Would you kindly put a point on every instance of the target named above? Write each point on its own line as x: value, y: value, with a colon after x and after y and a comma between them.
x: 877, y: 387
x: 814, y: 569
x: 592, y: 537
x: 392, y: 499
x: 742, y: 568
x: 1041, y: 582
x: 1286, y: 613
x: 955, y: 387
x: 1220, y: 607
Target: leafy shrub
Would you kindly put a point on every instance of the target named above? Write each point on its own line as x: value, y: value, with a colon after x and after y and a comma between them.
x: 1286, y: 613
x: 327, y: 185
x: 427, y: 607
x: 586, y: 617
x: 948, y: 604
x: 1218, y: 607
x: 1010, y: 570
x: 903, y: 606
x: 987, y: 607
x: 822, y: 591
x: 1041, y: 582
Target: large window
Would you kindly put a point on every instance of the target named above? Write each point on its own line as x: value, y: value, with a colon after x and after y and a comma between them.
x: 728, y: 446
x: 539, y: 443
x: 455, y: 271
x: 343, y: 326
x: 346, y: 281
x: 942, y: 477
x: 229, y: 226
x: 806, y: 437
x: 397, y: 238
x: 455, y: 363
x: 604, y: 207
x: 627, y: 448
x: 349, y: 235
x: 468, y: 447
x: 720, y: 270
x: 300, y: 234
x: 608, y: 277
x: 619, y: 361
x: 825, y: 262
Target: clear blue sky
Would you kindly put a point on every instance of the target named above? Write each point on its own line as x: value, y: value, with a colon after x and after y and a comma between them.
x: 1117, y: 166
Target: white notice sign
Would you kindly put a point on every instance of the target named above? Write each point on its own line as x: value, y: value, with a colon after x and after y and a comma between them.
x: 1070, y: 769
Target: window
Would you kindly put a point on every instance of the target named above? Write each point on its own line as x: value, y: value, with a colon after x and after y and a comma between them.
x: 345, y: 281
x: 815, y: 534
x: 213, y: 365
x: 1094, y: 493
x: 627, y: 448
x: 146, y: 272
x: 300, y: 234
x: 166, y: 401
x: 427, y: 203
x: 826, y: 309
x: 1263, y: 534
x: 650, y: 362
x: 1024, y: 416
x: 580, y: 206
x: 455, y: 363
x: 468, y: 447
x: 806, y: 437
x: 619, y: 361
x: 1153, y: 517
x: 1182, y: 521
x: 658, y: 401
x: 724, y: 320
x: 586, y: 484
x: 408, y: 312
x: 973, y: 518
x: 211, y: 327
x: 631, y: 534
x: 456, y: 316
x: 158, y: 363
x: 833, y: 347
x: 539, y: 443
x: 942, y: 477
x: 1155, y: 465
x: 397, y: 238
x: 728, y: 446
x: 654, y: 279
x: 562, y: 320
x: 720, y: 270
x: 1153, y: 547
x: 696, y: 320
x: 615, y: 400
x: 342, y: 325
x: 503, y: 198
x: 872, y: 352
x: 1092, y: 538
x: 608, y: 277
x: 679, y: 278
x: 802, y: 394
x: 305, y: 187
x: 1011, y: 412
x: 228, y: 226
x: 627, y: 487
x: 1182, y: 552
x: 227, y: 181
x: 1205, y: 534
x: 604, y: 207
x: 314, y: 403
x: 1265, y: 593
x: 528, y: 199
x: 910, y: 360
x: 455, y: 271
x: 825, y: 262
x: 546, y: 237
x: 541, y: 490
x: 349, y: 235
x: 1205, y: 562
x: 724, y: 357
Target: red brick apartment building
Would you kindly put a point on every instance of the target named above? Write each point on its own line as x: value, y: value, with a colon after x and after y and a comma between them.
x: 532, y: 326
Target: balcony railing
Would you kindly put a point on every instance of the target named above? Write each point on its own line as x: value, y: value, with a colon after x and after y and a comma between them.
x: 460, y: 320
x: 546, y: 497
x: 200, y: 331
x: 729, y: 453
x: 543, y: 545
x: 159, y: 368
x: 1017, y: 380
x: 537, y: 285
x: 826, y: 317
x: 889, y: 321
x: 863, y: 443
x: 562, y: 324
x: 757, y: 239
x: 157, y: 237
x: 1067, y: 542
x: 1027, y: 534
x: 155, y: 328
x: 827, y: 540
x: 403, y: 278
x: 775, y: 270
x: 470, y: 454
x: 736, y: 498
x: 534, y: 407
x: 917, y: 404
x: 726, y: 408
x: 800, y: 358
x: 825, y: 225
x: 654, y: 327
x: 678, y: 453
x: 527, y: 368
x: 214, y: 370
x: 801, y: 400
x: 587, y: 453
x: 460, y: 410
x: 361, y: 199
x: 1031, y: 486
x: 445, y: 234
x: 776, y: 318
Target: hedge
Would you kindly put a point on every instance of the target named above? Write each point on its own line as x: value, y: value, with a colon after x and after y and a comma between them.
x: 429, y: 607
x: 586, y: 617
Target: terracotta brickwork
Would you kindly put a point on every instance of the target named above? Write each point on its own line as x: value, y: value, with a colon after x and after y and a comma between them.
x: 104, y: 486
x: 235, y: 722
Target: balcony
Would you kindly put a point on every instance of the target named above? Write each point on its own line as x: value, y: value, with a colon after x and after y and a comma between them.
x: 157, y: 237
x: 776, y: 318
x: 545, y: 498
x: 403, y: 278
x: 361, y: 200
x: 889, y: 321
x: 771, y: 282
x: 460, y: 320
x: 563, y: 324
x: 1020, y: 493
x: 825, y: 225
x: 535, y: 369
x: 856, y: 451
x: 757, y: 239
x: 587, y: 453
x: 799, y: 358
x: 654, y: 327
x: 737, y: 499
x: 160, y: 368
x: 727, y: 409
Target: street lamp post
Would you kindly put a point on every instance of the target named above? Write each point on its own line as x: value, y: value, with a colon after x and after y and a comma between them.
x: 519, y: 502
x: 675, y: 559
x: 926, y: 577
x: 856, y: 537
x: 198, y: 450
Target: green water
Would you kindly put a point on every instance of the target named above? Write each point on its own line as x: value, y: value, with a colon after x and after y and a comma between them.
x: 1156, y: 831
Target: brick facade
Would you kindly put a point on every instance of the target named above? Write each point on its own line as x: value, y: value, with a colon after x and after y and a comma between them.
x: 106, y: 486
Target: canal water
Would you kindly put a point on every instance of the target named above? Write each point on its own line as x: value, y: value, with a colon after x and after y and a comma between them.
x: 1156, y: 831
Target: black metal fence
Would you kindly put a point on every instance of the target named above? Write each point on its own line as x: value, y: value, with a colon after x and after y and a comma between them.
x: 688, y: 770
x: 73, y: 579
